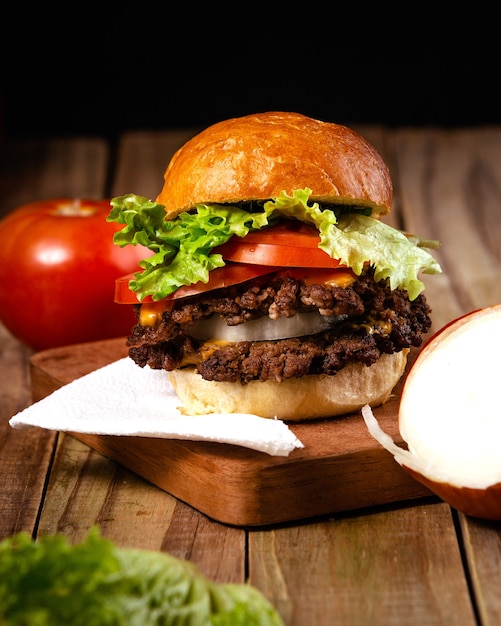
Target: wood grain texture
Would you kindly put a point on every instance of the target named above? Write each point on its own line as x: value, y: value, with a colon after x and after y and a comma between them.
x: 400, y: 567
x: 142, y: 159
x: 89, y: 489
x: 24, y: 455
x: 451, y: 182
x: 482, y: 545
x: 39, y: 169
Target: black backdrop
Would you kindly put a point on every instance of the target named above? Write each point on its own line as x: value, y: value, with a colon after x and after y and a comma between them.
x: 92, y: 73
x: 118, y: 96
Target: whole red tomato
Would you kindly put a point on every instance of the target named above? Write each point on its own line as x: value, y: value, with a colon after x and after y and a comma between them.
x: 58, y: 266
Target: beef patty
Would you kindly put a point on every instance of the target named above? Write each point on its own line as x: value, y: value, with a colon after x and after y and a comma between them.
x: 370, y: 319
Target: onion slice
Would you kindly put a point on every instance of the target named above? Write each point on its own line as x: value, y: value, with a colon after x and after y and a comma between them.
x: 264, y: 328
x: 450, y: 415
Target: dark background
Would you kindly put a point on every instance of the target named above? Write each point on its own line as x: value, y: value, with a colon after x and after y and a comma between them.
x: 102, y: 74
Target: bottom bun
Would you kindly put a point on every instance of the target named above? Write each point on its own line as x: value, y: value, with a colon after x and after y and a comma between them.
x: 307, y: 398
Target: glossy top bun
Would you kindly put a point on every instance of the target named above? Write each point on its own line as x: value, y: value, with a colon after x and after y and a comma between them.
x: 258, y: 156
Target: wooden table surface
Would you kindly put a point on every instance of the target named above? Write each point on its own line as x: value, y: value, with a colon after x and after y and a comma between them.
x: 414, y: 563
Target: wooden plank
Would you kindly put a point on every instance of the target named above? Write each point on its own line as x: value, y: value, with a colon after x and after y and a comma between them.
x: 341, y: 466
x: 24, y: 455
x: 394, y: 567
x: 482, y: 545
x: 39, y: 169
x: 87, y: 489
x: 142, y: 159
x: 451, y: 182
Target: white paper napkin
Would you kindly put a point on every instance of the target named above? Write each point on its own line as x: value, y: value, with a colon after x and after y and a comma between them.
x: 125, y: 399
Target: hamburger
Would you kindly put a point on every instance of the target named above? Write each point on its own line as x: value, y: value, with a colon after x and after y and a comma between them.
x: 273, y: 286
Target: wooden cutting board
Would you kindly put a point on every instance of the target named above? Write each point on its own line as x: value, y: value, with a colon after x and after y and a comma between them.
x: 341, y: 467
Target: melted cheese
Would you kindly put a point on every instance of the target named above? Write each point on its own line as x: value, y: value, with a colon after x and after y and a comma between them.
x: 339, y: 277
x: 374, y: 326
x: 151, y: 312
x: 343, y: 279
x: 206, y: 350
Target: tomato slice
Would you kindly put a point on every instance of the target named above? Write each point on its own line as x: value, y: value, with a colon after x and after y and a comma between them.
x: 229, y: 274
x: 287, y: 233
x: 241, y: 251
x: 288, y: 244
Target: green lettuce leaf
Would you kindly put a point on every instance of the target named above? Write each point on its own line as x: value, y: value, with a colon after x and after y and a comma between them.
x: 358, y: 239
x: 52, y: 583
x: 182, y: 248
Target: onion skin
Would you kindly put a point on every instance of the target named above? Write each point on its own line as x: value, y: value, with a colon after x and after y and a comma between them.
x: 482, y: 503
